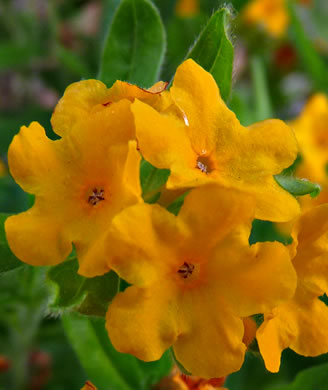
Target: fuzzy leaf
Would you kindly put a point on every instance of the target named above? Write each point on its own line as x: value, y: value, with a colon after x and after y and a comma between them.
x: 135, y: 45
x: 214, y: 51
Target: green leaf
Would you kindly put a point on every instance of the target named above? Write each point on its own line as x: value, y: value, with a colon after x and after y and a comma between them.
x: 214, y: 51
x: 312, y: 62
x: 152, y: 180
x: 90, y: 349
x: 314, y: 378
x: 135, y: 45
x: 106, y: 367
x: 90, y: 296
x: 8, y: 260
x: 297, y: 187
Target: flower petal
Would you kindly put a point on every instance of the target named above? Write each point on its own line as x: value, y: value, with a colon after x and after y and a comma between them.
x: 31, y: 157
x: 88, y: 96
x: 246, y: 278
x: 311, y: 260
x: 311, y: 317
x: 274, y: 335
x: 211, y: 212
x: 300, y: 324
x: 210, y: 344
x: 209, y: 121
x: 77, y: 102
x: 143, y: 322
x: 38, y: 238
x: 162, y: 139
x: 273, y: 203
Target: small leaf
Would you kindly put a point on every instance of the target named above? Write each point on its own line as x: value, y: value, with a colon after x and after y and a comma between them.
x: 214, y: 51
x: 8, y: 260
x: 135, y: 45
x: 152, y: 180
x: 297, y: 187
x: 90, y: 296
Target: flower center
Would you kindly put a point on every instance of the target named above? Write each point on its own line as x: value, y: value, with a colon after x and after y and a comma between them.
x: 186, y: 270
x: 204, y: 164
x: 96, y: 196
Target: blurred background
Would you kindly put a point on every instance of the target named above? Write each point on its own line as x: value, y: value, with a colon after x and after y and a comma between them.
x: 47, y: 44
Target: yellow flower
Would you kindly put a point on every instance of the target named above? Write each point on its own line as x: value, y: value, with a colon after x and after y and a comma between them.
x: 269, y: 14
x: 204, y: 142
x: 301, y: 323
x: 311, y: 130
x: 187, y: 8
x: 195, y: 276
x: 88, y: 96
x: 79, y: 181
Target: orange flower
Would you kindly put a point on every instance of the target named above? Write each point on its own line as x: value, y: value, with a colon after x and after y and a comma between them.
x: 203, y: 142
x: 186, y: 294
x: 79, y: 181
x: 302, y: 322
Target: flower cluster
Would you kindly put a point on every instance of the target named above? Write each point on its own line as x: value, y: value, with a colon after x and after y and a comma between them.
x: 195, y: 281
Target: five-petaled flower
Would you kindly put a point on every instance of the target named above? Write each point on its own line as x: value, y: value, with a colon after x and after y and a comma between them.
x: 79, y: 181
x: 302, y: 322
x: 202, y: 141
x: 194, y: 277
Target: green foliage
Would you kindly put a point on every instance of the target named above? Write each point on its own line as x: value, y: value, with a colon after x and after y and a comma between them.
x: 297, y: 187
x: 107, y: 368
x: 135, y: 45
x: 314, y: 378
x: 89, y: 296
x: 152, y: 180
x: 266, y: 231
x: 214, y: 51
x: 8, y: 260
